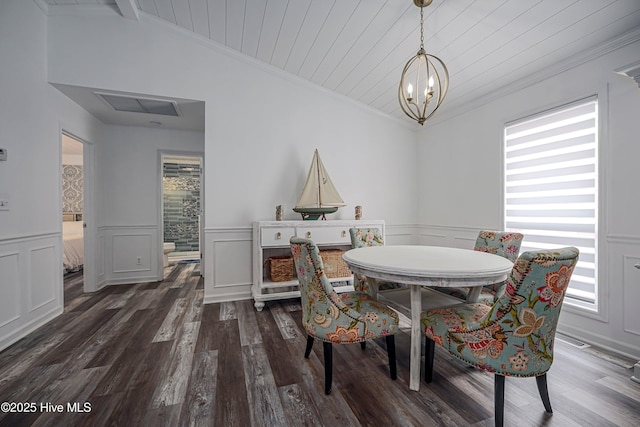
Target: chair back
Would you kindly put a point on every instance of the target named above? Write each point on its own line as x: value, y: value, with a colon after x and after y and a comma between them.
x: 323, y: 311
x: 516, y: 335
x: 505, y: 244
x: 361, y: 237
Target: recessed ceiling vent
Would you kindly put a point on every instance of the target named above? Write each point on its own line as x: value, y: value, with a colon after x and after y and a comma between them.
x: 133, y: 104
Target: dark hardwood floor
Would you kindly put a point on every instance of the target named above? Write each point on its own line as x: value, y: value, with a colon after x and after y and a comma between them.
x: 154, y: 354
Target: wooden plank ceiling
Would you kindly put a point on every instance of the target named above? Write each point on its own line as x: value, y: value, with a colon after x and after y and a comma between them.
x: 357, y: 48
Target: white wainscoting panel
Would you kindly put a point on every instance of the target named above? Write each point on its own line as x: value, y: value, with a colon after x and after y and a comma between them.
x: 131, y: 252
x: 31, y: 284
x: 228, y: 256
x: 40, y: 292
x: 100, y: 261
x: 228, y: 262
x: 631, y: 291
x: 456, y: 237
x: 400, y: 234
x: 227, y: 253
x: 124, y: 246
x: 9, y: 271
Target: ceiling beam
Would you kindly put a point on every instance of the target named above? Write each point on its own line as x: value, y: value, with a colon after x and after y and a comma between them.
x: 128, y: 9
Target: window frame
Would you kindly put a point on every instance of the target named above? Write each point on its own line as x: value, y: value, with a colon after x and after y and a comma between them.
x: 597, y: 310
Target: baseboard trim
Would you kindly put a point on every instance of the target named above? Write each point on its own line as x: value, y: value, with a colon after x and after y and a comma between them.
x: 636, y: 373
x: 212, y: 299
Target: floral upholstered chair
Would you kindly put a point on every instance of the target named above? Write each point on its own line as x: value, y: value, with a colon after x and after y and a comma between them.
x: 363, y: 237
x: 504, y: 244
x: 514, y: 337
x: 350, y: 317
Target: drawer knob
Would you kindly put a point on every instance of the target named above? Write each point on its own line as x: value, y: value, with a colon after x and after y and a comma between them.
x: 278, y: 235
x: 308, y: 234
x: 344, y: 233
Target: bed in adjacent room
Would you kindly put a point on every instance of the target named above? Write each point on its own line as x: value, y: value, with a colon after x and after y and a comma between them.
x: 72, y: 242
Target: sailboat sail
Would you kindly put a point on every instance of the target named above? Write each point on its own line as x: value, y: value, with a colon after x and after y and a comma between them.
x: 318, y: 190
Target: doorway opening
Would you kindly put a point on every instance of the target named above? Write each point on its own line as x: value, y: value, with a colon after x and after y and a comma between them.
x: 73, y: 190
x: 181, y: 208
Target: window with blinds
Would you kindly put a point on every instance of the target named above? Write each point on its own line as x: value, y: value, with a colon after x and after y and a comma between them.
x: 551, y: 187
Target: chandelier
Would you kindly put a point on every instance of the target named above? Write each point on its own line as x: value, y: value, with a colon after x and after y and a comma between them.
x: 425, y: 79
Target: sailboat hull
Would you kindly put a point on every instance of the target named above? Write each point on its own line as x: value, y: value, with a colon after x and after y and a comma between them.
x: 314, y: 213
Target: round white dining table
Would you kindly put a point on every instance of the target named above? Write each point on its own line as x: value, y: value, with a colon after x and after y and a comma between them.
x: 420, y: 266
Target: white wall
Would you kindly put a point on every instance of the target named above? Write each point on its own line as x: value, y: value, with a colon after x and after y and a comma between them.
x: 261, y: 125
x: 464, y: 193
x: 32, y: 115
x: 130, y: 197
x: 130, y: 172
x: 261, y: 128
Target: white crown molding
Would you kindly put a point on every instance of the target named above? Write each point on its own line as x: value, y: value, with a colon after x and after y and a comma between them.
x: 82, y: 10
x: 539, y: 76
x: 128, y: 9
x: 43, y: 5
x: 632, y: 71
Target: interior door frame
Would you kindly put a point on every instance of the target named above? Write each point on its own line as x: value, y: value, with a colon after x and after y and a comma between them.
x: 89, y: 191
x: 179, y: 153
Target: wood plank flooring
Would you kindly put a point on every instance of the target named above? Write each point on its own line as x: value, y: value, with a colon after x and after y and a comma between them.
x: 154, y: 354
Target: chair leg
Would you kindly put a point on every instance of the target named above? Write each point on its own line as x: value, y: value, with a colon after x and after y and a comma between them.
x: 498, y: 403
x: 541, y: 380
x: 363, y: 345
x: 307, y: 352
x: 430, y: 348
x: 391, y: 352
x: 328, y: 366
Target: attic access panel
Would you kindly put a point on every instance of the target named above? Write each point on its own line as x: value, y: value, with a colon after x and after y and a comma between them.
x: 133, y: 104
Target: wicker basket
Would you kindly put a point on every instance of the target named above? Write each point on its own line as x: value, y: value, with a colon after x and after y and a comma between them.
x: 280, y: 268
x: 334, y: 265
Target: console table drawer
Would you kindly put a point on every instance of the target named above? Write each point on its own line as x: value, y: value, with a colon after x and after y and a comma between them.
x: 325, y: 235
x: 276, y: 236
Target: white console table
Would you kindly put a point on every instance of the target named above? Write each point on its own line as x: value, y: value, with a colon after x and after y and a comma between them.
x: 271, y: 238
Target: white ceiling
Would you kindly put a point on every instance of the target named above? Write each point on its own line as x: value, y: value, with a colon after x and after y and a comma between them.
x: 358, y: 48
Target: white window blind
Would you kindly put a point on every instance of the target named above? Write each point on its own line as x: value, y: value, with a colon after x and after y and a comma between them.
x: 551, y: 186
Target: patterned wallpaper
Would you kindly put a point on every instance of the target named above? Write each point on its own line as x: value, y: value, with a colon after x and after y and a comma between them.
x: 72, y: 197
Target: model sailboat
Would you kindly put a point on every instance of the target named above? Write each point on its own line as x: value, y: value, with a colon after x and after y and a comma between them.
x: 319, y: 196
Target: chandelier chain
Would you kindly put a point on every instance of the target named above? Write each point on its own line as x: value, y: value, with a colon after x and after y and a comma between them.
x: 422, y: 28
